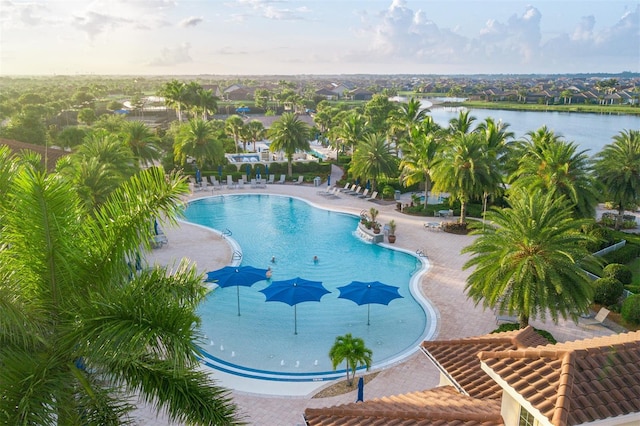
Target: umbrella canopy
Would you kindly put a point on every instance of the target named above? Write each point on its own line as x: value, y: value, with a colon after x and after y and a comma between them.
x: 220, y: 171
x: 258, y: 172
x: 237, y: 276
x: 248, y: 170
x: 329, y: 180
x: 198, y: 175
x: 366, y: 293
x: 294, y: 291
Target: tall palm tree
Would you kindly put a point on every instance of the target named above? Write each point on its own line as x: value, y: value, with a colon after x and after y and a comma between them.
x: 526, y: 259
x: 81, y: 334
x: 618, y: 168
x: 234, y: 126
x: 205, y: 103
x: 374, y: 158
x: 353, y: 350
x: 142, y: 141
x: 256, y: 131
x: 464, y: 169
x: 196, y: 139
x: 352, y: 128
x: 556, y: 166
x: 463, y: 123
x: 108, y: 149
x: 289, y: 134
x: 418, y: 160
x: 175, y: 96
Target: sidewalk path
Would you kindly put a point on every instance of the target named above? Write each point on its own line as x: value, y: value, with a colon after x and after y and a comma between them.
x: 443, y: 285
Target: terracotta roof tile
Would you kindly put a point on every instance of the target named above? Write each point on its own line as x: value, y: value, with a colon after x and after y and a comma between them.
x: 439, y: 406
x: 575, y: 382
x: 53, y: 154
x: 459, y: 358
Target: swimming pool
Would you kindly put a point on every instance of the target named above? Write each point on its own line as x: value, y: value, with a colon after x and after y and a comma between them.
x: 261, y: 342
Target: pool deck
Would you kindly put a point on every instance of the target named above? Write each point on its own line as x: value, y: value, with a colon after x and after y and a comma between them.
x: 270, y: 403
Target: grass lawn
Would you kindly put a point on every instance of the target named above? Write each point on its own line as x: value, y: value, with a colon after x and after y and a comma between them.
x: 635, y: 269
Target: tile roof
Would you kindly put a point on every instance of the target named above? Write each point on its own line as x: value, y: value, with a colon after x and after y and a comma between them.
x: 459, y: 358
x: 575, y: 382
x: 52, y: 154
x: 439, y: 406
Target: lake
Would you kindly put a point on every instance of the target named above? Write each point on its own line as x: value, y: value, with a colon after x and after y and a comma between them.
x: 589, y: 131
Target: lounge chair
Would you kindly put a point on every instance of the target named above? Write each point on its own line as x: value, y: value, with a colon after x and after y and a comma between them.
x: 215, y: 183
x: 253, y: 183
x: 325, y: 192
x: 240, y: 183
x: 204, y: 183
x: 598, y: 319
x: 356, y: 191
x: 502, y: 317
x: 374, y: 195
x: 272, y: 179
x: 230, y: 183
x: 299, y: 181
x: 282, y: 179
x: 347, y: 190
x: 364, y: 193
x: 346, y: 187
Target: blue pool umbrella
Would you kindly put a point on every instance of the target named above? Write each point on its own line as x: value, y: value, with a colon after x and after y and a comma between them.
x: 360, y: 390
x: 198, y: 175
x: 329, y: 180
x: 368, y: 184
x: 237, y: 276
x: 220, y: 172
x: 366, y: 293
x: 258, y: 172
x: 294, y: 291
x: 248, y: 169
x: 266, y: 170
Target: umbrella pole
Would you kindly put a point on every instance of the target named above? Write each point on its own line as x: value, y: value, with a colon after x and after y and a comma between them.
x: 295, y: 319
x: 238, y: 288
x: 368, y: 313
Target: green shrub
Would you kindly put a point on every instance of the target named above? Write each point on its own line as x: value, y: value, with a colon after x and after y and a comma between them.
x: 631, y: 309
x: 512, y: 327
x: 388, y: 192
x: 607, y: 291
x: 618, y: 271
x: 635, y: 289
x: 624, y: 255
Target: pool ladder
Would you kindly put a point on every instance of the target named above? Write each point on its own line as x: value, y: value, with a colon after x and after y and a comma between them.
x: 237, y: 255
x: 226, y: 233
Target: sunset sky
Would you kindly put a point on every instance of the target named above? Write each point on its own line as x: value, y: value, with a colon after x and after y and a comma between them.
x: 288, y: 37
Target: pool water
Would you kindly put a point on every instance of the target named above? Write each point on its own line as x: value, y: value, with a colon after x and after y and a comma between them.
x: 261, y: 341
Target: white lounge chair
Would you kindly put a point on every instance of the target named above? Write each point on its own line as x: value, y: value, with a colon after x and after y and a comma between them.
x: 230, y: 183
x: 364, y: 193
x: 240, y: 183
x: 355, y: 191
x: 598, y: 319
x: 282, y: 179
x: 348, y: 190
x: 215, y: 183
x: 374, y: 195
x: 299, y: 181
x: 204, y: 183
x: 272, y: 179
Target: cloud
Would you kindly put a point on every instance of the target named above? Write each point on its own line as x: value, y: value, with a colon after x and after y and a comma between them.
x: 268, y: 9
x: 170, y: 56
x: 400, y: 33
x: 100, y: 16
x: 21, y: 15
x: 191, y: 21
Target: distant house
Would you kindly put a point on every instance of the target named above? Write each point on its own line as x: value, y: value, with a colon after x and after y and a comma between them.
x: 238, y: 93
x: 48, y: 154
x: 512, y: 378
x: 361, y: 95
x: 328, y: 94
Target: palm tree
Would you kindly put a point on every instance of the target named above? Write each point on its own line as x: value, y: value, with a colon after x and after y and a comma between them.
x: 352, y: 128
x: 81, y: 335
x: 556, y: 166
x: 461, y: 124
x: 175, y: 95
x: 196, y: 139
x: 255, y: 131
x: 289, y: 134
x: 205, y: 103
x: 142, y: 141
x: 418, y: 160
x: 233, y: 126
x: 464, y: 169
x: 108, y: 149
x: 373, y: 158
x: 617, y: 166
x: 526, y: 259
x: 353, y: 350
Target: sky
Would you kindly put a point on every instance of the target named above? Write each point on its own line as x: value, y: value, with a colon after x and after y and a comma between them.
x: 290, y: 37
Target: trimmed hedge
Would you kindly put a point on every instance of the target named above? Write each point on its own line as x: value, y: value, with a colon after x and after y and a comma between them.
x: 624, y: 255
x: 618, y: 271
x: 631, y: 309
x: 607, y: 291
x: 512, y: 327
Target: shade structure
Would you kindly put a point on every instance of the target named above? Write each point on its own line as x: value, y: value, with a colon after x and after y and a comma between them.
x: 248, y: 170
x: 266, y: 170
x: 329, y: 180
x: 294, y: 291
x: 366, y: 293
x: 237, y: 276
x: 360, y: 390
x: 220, y: 172
x: 198, y: 175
